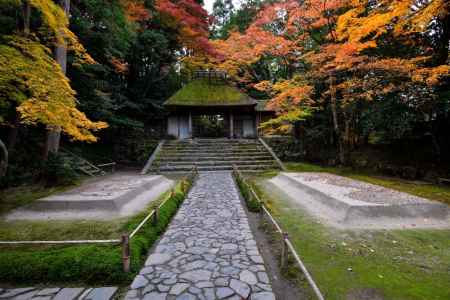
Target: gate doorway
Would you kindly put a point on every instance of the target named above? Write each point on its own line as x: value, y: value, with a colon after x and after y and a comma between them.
x: 209, y: 126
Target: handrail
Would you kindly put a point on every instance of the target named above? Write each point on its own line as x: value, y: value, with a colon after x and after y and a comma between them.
x: 287, y: 244
x: 154, y: 212
x: 152, y: 157
x: 274, y: 155
x: 80, y: 158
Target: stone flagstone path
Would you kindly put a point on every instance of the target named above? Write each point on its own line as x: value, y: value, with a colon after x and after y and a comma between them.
x: 208, y: 251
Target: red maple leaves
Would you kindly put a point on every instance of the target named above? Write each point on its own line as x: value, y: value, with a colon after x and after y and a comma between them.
x: 190, y: 19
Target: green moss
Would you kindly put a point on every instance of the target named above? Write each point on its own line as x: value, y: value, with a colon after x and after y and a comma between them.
x: 201, y: 92
x: 397, y: 264
x: 87, y: 264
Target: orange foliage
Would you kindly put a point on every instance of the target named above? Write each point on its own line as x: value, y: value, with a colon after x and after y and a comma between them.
x: 336, y: 39
x: 135, y: 10
x: 119, y: 65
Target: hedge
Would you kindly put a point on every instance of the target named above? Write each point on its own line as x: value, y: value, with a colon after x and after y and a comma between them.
x: 252, y: 203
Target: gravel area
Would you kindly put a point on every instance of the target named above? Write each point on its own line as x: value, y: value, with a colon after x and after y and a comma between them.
x: 342, y: 187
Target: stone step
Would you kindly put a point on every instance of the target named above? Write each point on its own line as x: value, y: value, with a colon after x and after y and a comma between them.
x: 213, y: 148
x: 209, y: 152
x: 213, y: 157
x: 210, y: 144
x: 214, y: 168
x: 212, y: 141
x: 214, y: 163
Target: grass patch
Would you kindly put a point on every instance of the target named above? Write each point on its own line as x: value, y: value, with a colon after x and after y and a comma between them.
x: 425, y: 190
x: 60, y: 230
x: 87, y: 264
x: 394, y: 264
x: 201, y: 92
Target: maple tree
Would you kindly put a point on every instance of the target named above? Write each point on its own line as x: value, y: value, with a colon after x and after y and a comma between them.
x: 346, y: 53
x: 33, y: 84
x: 190, y: 20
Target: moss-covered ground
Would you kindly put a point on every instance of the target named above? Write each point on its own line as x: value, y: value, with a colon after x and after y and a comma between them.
x: 80, y: 264
x: 14, y: 197
x: 354, y: 265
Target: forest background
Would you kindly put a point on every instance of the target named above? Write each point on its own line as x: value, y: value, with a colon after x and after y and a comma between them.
x: 359, y: 83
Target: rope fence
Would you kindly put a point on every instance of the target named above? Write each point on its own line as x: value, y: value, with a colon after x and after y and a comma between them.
x: 286, y: 246
x: 125, y: 239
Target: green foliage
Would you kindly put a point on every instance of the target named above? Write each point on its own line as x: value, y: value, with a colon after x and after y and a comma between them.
x: 87, y: 264
x: 252, y: 203
x: 58, y: 171
x: 229, y: 19
x: 103, y: 28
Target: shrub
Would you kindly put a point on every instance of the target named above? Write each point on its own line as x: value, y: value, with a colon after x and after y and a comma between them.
x: 58, y: 170
x: 252, y: 203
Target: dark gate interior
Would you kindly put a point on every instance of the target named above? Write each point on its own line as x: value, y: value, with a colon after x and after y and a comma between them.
x: 209, y: 126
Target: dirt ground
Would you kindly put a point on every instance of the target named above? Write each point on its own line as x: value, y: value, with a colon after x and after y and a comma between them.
x: 283, y: 288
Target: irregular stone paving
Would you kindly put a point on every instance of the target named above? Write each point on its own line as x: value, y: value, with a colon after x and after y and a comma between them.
x: 101, y: 293
x: 208, y: 251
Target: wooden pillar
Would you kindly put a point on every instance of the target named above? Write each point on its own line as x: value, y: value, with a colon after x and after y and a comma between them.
x: 178, y: 127
x: 231, y: 125
x: 190, y: 124
x: 257, y: 120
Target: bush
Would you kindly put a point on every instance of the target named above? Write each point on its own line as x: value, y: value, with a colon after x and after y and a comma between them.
x: 252, y: 203
x: 90, y: 264
x: 58, y: 171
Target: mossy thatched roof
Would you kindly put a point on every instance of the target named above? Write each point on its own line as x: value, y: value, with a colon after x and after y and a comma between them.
x: 201, y: 92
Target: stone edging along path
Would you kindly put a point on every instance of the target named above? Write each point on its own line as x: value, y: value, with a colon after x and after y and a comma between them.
x: 101, y: 293
x: 208, y: 251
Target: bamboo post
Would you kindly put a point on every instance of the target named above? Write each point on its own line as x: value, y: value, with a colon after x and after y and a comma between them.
x: 155, y: 216
x: 183, y: 186
x: 126, y: 252
x: 284, y: 250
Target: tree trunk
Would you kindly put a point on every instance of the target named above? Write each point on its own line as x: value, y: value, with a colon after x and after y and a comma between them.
x: 14, y: 130
x: 54, y: 132
x: 13, y: 133
x: 26, y: 10
x: 442, y: 45
x: 341, y: 154
x: 4, y: 159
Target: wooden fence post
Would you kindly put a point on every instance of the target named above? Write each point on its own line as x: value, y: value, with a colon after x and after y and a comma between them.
x: 126, y: 252
x: 156, y: 216
x: 284, y: 250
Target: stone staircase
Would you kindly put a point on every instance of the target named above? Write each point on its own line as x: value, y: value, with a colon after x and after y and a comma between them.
x: 213, y: 155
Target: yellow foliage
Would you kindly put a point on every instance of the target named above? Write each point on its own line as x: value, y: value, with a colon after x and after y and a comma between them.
x: 34, y: 83
x: 57, y: 25
x: 282, y: 124
x: 402, y: 16
x: 431, y: 76
x: 193, y: 63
